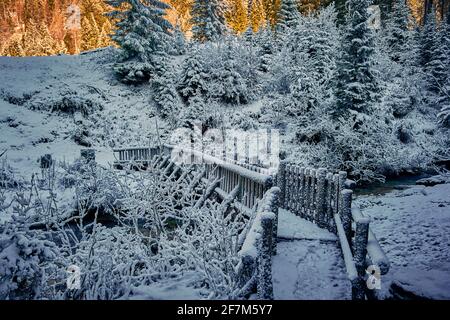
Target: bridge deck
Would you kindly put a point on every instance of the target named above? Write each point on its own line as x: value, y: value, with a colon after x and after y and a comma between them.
x: 309, y: 263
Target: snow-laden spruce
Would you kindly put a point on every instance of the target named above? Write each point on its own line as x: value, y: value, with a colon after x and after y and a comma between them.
x: 208, y: 20
x: 142, y: 32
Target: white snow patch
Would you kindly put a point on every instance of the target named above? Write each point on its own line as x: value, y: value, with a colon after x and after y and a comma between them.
x: 413, y: 226
x: 309, y: 270
x: 291, y: 226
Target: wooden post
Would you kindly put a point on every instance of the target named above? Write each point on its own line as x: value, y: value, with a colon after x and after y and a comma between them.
x: 247, y: 150
x: 274, y: 205
x: 320, y: 198
x: 340, y: 186
x: 281, y: 181
x: 312, y: 194
x: 265, y: 285
x: 301, y: 193
x: 296, y: 192
x: 306, y: 195
x: 345, y: 212
x: 360, y: 254
x: 329, y: 208
x: 360, y: 246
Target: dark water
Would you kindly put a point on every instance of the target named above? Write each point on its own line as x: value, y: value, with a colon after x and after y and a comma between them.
x: 397, y: 183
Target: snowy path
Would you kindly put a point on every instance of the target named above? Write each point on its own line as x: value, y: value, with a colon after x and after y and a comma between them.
x: 308, y: 269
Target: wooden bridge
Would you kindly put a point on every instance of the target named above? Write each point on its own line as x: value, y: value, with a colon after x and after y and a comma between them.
x: 315, y: 195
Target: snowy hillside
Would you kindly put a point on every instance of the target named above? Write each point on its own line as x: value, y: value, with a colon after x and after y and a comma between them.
x: 38, y: 97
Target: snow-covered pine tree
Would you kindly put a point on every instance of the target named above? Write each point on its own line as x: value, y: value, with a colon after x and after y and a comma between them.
x: 399, y: 51
x: 167, y: 100
x: 356, y: 86
x: 236, y: 16
x: 208, y: 20
x: 427, y: 38
x: 444, y: 100
x: 179, y: 41
x: 265, y: 41
x: 90, y: 33
x: 438, y: 66
x: 398, y: 35
x: 194, y: 79
x: 288, y: 16
x: 142, y: 32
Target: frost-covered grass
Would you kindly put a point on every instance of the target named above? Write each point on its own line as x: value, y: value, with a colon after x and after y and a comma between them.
x: 131, y: 233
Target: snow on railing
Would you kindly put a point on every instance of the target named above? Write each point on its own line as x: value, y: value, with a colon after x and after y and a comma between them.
x: 324, y: 198
x: 313, y: 194
x: 253, y: 184
x: 255, y: 267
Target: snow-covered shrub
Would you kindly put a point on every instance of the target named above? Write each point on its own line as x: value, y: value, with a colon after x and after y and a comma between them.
x: 194, y: 76
x: 444, y: 116
x: 134, y: 72
x: 70, y: 103
x: 206, y: 242
x: 224, y: 71
x: 111, y: 261
x: 24, y: 256
x: 166, y: 97
x: 179, y: 41
x: 8, y: 177
x: 305, y: 65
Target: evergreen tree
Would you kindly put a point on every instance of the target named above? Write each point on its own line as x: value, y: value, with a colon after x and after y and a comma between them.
x: 104, y: 39
x: 288, y: 16
x: 427, y: 38
x: 356, y: 86
x: 90, y: 33
x: 266, y: 44
x: 434, y: 53
x: 179, y: 41
x: 166, y: 98
x: 208, y: 21
x: 142, y: 32
x: 47, y: 43
x: 255, y: 14
x: 398, y: 33
x: 14, y: 47
x: 194, y: 79
x: 236, y: 16
x: 142, y: 29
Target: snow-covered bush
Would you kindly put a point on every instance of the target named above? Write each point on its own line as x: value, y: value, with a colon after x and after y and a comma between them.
x: 166, y: 97
x: 194, y: 76
x: 444, y: 116
x: 224, y: 71
x: 70, y: 103
x: 24, y: 257
x: 205, y: 242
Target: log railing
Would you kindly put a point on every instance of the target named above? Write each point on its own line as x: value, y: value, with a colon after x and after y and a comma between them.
x: 255, y: 266
x: 325, y: 199
x: 317, y: 195
x: 253, y: 184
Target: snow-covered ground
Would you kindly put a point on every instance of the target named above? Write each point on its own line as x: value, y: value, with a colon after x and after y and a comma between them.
x: 31, y: 87
x: 413, y: 227
x: 308, y: 269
